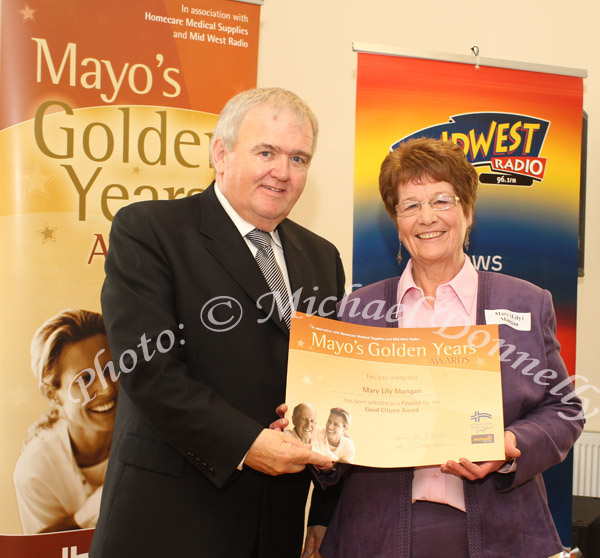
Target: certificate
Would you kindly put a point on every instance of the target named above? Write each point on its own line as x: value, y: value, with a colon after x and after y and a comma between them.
x: 391, y: 397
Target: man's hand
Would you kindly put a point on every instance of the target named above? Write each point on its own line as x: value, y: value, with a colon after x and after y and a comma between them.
x: 282, y: 422
x: 473, y: 471
x: 312, y: 544
x: 275, y: 453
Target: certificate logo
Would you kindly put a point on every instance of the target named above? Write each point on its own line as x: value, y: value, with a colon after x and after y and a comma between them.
x: 477, y: 416
x: 482, y: 439
x: 481, y: 422
x: 508, y: 144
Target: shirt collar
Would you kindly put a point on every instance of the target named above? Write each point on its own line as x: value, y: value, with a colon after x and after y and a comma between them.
x: 464, y: 284
x: 241, y: 224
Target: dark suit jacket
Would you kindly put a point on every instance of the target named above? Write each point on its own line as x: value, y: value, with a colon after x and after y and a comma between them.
x: 202, y: 384
x: 507, y: 514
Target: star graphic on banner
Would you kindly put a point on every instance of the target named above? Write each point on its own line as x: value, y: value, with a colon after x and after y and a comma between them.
x: 28, y: 13
x: 36, y: 181
x: 300, y: 343
x: 307, y: 380
x: 136, y: 170
x: 47, y: 234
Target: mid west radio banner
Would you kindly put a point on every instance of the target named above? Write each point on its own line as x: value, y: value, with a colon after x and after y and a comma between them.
x: 101, y: 104
x: 521, y: 130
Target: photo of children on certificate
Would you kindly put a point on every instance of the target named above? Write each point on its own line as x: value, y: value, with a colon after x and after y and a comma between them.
x: 332, y: 440
x: 414, y: 397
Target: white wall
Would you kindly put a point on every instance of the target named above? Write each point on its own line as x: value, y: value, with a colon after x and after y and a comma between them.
x: 307, y: 47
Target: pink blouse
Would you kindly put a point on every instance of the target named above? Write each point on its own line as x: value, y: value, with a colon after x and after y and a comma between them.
x: 455, y: 305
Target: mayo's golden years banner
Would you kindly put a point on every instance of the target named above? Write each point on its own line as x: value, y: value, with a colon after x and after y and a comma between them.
x: 395, y: 397
x: 116, y: 103
x: 188, y: 54
x: 101, y: 104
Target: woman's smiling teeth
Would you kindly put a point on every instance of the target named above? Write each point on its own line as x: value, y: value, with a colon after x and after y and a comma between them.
x: 105, y: 407
x: 430, y: 235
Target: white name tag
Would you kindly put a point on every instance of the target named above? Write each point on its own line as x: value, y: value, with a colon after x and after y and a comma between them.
x: 516, y: 320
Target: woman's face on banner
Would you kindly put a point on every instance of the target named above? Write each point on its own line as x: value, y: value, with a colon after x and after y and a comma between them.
x: 99, y: 412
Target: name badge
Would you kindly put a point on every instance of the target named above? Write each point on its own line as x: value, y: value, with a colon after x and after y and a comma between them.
x: 516, y: 320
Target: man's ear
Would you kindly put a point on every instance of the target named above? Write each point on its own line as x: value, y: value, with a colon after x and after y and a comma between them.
x: 218, y: 155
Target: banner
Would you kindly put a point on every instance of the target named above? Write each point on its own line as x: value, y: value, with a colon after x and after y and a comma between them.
x: 521, y: 130
x: 101, y: 104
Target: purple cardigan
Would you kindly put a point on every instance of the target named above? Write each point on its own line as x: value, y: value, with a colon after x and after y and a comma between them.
x: 507, y: 514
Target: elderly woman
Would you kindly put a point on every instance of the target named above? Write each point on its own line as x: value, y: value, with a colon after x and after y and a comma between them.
x: 333, y: 440
x: 459, y: 509
x: 59, y: 475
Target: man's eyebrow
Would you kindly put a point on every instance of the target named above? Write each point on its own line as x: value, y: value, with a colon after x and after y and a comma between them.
x: 269, y: 147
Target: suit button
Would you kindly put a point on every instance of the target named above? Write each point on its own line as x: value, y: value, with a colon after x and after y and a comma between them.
x: 211, y: 471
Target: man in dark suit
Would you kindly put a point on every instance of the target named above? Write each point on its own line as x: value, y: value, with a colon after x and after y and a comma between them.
x: 193, y: 326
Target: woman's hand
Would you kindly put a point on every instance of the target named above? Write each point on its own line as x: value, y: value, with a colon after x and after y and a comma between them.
x: 473, y: 471
x: 312, y: 544
x: 282, y: 422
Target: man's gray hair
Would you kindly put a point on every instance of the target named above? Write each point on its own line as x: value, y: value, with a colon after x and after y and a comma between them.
x: 277, y: 99
x: 301, y: 406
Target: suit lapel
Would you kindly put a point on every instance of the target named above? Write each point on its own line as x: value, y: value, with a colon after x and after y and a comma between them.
x: 298, y: 266
x: 224, y: 242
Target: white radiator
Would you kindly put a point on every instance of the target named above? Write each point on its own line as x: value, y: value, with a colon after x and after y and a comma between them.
x: 586, y: 465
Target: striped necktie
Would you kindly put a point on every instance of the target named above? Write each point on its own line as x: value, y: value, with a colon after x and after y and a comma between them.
x: 265, y: 258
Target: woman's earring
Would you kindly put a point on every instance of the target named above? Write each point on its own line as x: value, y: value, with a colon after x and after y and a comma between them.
x: 467, y: 242
x: 399, y: 256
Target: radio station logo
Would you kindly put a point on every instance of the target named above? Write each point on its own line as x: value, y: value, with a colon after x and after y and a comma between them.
x: 509, y: 145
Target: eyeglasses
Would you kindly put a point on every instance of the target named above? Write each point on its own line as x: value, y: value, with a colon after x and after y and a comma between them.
x: 439, y: 203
